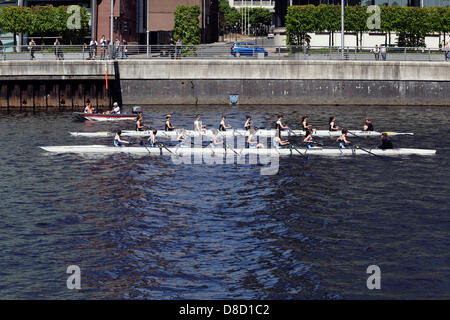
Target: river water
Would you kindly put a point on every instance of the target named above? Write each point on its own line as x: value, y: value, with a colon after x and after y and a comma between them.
x: 146, y: 228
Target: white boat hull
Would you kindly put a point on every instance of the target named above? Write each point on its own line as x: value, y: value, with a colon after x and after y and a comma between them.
x: 233, y: 133
x: 100, y: 149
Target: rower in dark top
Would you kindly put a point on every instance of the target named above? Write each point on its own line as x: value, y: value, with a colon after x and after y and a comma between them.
x: 140, y: 123
x: 223, y: 126
x: 279, y: 125
x: 248, y: 123
x: 386, y: 143
x: 343, y: 142
x: 306, y: 126
x: 168, y: 126
x: 332, y: 125
x: 368, y: 126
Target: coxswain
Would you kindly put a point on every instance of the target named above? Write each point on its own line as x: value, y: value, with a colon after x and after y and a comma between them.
x: 152, y: 139
x: 214, y: 142
x: 116, y: 109
x: 332, y: 124
x: 198, y: 126
x: 343, y: 142
x: 253, y: 144
x: 386, y: 143
x: 279, y: 124
x: 277, y: 142
x: 248, y: 123
x: 118, y: 140
x: 306, y: 126
x: 89, y: 108
x: 310, y: 143
x: 368, y: 126
x: 140, y: 123
x: 223, y: 126
x: 168, y: 125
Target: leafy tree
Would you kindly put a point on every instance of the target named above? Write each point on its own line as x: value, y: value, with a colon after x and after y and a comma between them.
x: 299, y: 21
x: 260, y: 16
x: 15, y: 20
x: 231, y: 16
x: 187, y: 24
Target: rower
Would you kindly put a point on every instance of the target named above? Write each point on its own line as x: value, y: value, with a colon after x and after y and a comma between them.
x: 183, y: 139
x: 279, y: 124
x: 386, y: 143
x: 310, y: 143
x: 214, y: 142
x: 343, y: 142
x: 168, y: 126
x: 198, y: 126
x: 368, y: 126
x: 223, y: 126
x: 306, y: 126
x: 277, y: 142
x: 118, y: 140
x: 248, y: 123
x: 139, y: 123
x: 152, y: 139
x: 116, y: 109
x: 253, y: 144
x: 89, y: 108
x: 332, y: 124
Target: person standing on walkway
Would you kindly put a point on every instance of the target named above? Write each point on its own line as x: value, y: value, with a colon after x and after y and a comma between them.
x: 125, y: 49
x: 58, y: 50
x: 447, y: 51
x: 93, y: 49
x: 117, y: 49
x: 383, y: 51
x: 103, y: 47
x: 2, y: 52
x: 31, y: 47
x: 376, y: 52
x: 178, y: 48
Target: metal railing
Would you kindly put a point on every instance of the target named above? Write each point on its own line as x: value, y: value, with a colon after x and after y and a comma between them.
x: 219, y: 52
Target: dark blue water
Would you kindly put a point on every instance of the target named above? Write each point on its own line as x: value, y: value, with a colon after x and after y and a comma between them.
x: 143, y: 227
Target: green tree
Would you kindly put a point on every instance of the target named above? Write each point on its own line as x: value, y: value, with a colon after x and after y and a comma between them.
x: 15, y: 20
x: 299, y: 21
x: 187, y: 24
x: 231, y: 16
x: 260, y: 16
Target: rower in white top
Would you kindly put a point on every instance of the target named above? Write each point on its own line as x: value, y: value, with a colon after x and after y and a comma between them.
x: 253, y: 144
x: 278, y: 143
x: 183, y: 139
x: 118, y: 140
x: 310, y: 143
x: 198, y: 126
x: 214, y: 142
x: 343, y: 142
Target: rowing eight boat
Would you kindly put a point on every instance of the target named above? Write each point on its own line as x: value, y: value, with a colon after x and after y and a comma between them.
x: 101, y: 149
x: 231, y: 133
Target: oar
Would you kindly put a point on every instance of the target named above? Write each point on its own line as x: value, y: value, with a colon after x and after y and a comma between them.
x: 358, y: 147
x: 302, y: 154
x: 162, y: 145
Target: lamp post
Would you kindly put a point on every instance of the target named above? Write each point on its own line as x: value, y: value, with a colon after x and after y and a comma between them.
x: 111, y: 32
x: 93, y: 20
x: 342, y: 29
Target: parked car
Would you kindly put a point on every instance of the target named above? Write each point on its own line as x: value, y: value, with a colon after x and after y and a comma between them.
x: 246, y: 49
x: 270, y: 36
